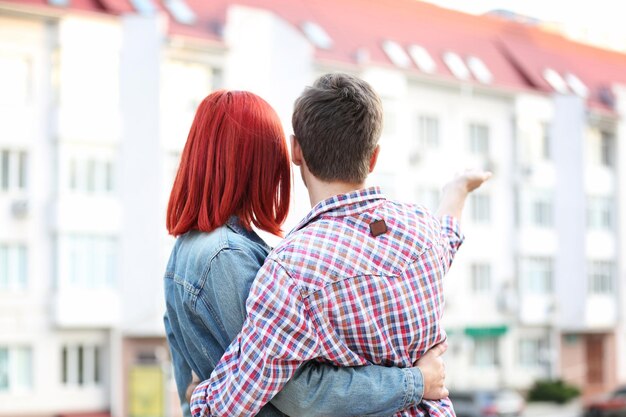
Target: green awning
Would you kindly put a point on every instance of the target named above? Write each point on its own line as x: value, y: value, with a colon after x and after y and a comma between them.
x: 478, y: 332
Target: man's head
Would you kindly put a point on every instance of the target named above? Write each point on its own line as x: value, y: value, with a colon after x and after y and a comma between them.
x: 337, y: 123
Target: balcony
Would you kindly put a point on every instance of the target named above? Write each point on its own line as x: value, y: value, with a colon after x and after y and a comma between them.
x: 537, y: 309
x: 98, y: 214
x: 93, y: 308
x: 601, y: 311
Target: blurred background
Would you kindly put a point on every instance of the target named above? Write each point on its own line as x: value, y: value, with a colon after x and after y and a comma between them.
x: 96, y: 99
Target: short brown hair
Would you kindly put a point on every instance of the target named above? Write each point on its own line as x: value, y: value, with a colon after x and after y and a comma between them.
x: 337, y: 123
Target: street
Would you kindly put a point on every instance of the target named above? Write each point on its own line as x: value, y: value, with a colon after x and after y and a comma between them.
x: 552, y: 410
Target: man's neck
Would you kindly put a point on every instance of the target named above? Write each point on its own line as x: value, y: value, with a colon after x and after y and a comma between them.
x: 320, y: 190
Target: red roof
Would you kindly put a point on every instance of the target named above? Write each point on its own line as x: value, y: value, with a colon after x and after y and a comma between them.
x: 516, y: 54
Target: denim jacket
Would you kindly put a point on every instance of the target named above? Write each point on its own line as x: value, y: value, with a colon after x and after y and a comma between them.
x: 207, y: 281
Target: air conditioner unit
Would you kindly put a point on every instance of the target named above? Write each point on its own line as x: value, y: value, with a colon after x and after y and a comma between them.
x: 526, y: 171
x: 19, y: 209
x: 414, y: 158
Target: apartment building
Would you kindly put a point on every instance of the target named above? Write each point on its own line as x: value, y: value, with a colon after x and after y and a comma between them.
x: 87, y: 160
x: 96, y: 100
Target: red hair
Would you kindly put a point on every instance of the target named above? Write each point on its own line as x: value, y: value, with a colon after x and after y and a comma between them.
x: 235, y: 162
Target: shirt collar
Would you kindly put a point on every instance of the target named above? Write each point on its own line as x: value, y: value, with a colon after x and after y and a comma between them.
x: 354, y: 198
x: 235, y: 225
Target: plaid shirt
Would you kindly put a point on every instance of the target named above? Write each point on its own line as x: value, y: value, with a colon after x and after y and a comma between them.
x: 334, y: 292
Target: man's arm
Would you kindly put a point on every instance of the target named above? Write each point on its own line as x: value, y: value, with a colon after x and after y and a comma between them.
x: 317, y: 389
x: 277, y: 337
x: 456, y: 191
x: 451, y: 207
x: 322, y: 390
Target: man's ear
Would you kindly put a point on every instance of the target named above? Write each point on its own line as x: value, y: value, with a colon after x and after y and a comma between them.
x: 296, y: 151
x: 374, y: 158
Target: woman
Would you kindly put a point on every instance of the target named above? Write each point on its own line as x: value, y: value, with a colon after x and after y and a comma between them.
x: 235, y: 173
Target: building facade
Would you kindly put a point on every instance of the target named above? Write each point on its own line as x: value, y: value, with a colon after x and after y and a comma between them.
x: 96, y: 98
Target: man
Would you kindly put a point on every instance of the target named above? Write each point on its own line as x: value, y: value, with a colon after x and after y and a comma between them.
x: 216, y: 257
x: 358, y: 281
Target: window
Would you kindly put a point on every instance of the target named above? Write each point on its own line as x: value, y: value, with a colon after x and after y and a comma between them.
x: 600, y: 213
x: 396, y: 54
x: 480, y: 208
x: 4, y: 170
x: 389, y: 123
x: 542, y: 210
x: 607, y: 150
x: 485, y: 352
x: 144, y: 7
x: 181, y: 12
x: 185, y: 85
x: 88, y: 261
x: 532, y: 351
x: 576, y: 85
x: 479, y: 69
x: 600, y: 277
x: 429, y: 198
x: 317, y: 35
x: 428, y: 132
x: 537, y: 275
x: 81, y: 365
x: 545, y: 141
x: 13, y: 170
x: 555, y: 80
x: 16, y: 371
x: 481, y: 278
x: 13, y: 267
x: 91, y: 175
x: 422, y: 59
x: 478, y: 139
x: 456, y: 65
x: 172, y: 162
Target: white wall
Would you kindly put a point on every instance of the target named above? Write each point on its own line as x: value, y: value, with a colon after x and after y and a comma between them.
x: 140, y: 177
x: 620, y: 92
x: 271, y: 58
x: 570, y: 203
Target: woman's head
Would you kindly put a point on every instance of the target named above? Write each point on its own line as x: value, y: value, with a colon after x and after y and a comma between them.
x: 235, y: 162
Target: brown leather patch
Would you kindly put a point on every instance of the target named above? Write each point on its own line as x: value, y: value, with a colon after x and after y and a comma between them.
x: 378, y: 228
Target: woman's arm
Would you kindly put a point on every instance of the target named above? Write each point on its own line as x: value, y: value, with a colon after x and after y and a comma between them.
x: 322, y: 390
x: 182, y: 371
x: 316, y: 389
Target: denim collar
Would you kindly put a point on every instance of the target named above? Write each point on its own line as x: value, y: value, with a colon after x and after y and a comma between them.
x: 234, y: 224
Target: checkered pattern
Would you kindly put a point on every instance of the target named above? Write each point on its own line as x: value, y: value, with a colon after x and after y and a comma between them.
x: 332, y: 292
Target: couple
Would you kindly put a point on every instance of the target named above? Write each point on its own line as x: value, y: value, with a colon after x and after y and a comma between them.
x: 358, y: 282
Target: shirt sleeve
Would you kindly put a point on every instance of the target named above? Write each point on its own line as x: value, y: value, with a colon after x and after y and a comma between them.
x: 318, y: 390
x: 452, y: 236
x: 277, y: 337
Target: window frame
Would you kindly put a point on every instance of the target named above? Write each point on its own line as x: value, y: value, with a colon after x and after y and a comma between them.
x: 531, y: 268
x: 18, y: 378
x: 480, y: 208
x: 81, y: 365
x: 477, y: 144
x: 481, y: 278
x: 14, y: 262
